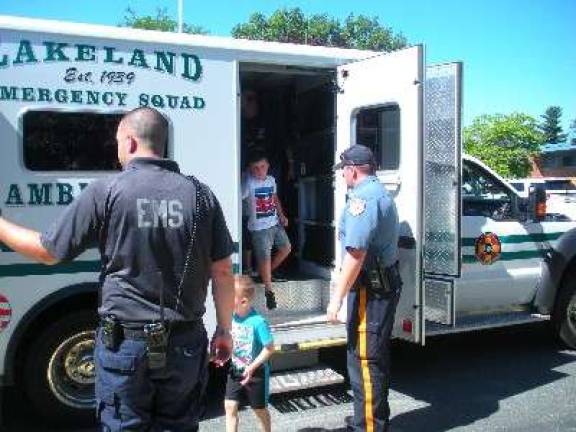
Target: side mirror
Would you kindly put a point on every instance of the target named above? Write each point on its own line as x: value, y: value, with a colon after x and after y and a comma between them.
x: 537, y: 203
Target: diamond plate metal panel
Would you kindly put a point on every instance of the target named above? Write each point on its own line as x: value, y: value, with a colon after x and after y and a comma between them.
x: 297, y: 299
x: 439, y: 301
x: 442, y: 170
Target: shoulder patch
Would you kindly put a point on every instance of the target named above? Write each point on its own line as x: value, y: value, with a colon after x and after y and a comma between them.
x: 356, y: 206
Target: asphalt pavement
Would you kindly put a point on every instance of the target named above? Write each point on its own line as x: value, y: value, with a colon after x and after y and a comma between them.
x: 512, y: 379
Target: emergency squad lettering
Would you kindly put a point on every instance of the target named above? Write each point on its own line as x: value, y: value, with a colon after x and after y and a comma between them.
x: 265, y: 206
x: 43, y: 194
x: 91, y: 97
x: 164, y: 213
x: 26, y: 53
x: 86, y: 57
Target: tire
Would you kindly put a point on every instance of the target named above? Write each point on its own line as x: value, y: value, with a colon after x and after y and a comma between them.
x: 565, y: 317
x: 58, y: 374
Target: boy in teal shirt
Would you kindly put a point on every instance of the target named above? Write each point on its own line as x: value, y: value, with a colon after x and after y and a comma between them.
x: 249, y: 373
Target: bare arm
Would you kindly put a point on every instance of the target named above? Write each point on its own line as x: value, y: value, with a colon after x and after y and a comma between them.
x: 262, y: 358
x: 223, y: 291
x: 24, y: 241
x: 280, y: 211
x: 351, y: 266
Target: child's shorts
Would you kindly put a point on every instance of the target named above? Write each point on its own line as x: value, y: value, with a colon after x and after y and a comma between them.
x: 264, y: 240
x: 255, y: 392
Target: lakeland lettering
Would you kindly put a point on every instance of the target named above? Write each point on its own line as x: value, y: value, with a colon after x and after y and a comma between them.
x: 91, y: 97
x: 187, y: 65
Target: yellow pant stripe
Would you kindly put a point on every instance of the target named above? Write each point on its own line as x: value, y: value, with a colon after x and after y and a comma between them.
x: 363, y: 344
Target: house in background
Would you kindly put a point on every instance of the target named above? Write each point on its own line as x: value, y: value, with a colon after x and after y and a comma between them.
x: 555, y: 160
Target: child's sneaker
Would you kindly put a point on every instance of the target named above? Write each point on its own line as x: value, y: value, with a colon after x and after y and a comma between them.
x: 270, y: 299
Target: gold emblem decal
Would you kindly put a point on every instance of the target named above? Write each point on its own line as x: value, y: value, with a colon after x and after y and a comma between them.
x: 488, y: 248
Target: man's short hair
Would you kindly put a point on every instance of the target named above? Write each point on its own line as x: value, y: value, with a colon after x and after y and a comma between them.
x: 244, y: 287
x: 150, y: 127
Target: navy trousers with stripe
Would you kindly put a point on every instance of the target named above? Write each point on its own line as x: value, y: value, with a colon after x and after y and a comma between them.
x: 370, y: 322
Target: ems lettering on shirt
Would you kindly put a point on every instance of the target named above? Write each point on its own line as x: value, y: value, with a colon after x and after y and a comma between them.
x: 153, y: 213
x: 265, y: 205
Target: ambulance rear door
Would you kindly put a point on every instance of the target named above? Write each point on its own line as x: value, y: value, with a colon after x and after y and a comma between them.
x: 379, y: 104
x: 442, y: 190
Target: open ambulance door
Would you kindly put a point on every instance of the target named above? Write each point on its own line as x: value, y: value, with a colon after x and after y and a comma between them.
x: 379, y: 104
x: 442, y: 184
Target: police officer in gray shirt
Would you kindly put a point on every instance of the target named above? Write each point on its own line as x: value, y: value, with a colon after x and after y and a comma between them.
x: 368, y: 232
x: 162, y: 236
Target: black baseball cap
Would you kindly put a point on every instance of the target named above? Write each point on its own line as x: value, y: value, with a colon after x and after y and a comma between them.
x: 356, y: 155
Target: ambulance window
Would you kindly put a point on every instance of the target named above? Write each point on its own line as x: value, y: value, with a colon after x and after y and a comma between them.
x: 484, y: 195
x: 379, y: 129
x: 70, y: 141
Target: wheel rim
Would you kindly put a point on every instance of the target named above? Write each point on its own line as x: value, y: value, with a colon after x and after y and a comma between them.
x: 71, y: 371
x: 571, y: 313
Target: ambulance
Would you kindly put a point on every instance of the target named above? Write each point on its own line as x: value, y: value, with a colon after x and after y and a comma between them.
x: 473, y: 253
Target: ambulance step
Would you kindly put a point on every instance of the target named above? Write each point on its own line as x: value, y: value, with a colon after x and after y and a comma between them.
x: 479, y: 322
x: 308, y: 337
x: 301, y: 379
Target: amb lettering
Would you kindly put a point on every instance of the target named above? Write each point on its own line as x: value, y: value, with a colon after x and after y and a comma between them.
x: 41, y: 194
x: 159, y: 213
x: 187, y: 65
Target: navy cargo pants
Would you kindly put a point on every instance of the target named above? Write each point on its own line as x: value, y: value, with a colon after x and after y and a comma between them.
x: 132, y: 397
x: 369, y: 325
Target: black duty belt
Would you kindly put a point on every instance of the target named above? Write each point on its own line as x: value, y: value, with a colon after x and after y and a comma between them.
x: 136, y: 331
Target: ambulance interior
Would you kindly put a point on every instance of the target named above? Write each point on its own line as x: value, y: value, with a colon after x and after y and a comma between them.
x: 291, y: 111
x: 290, y: 114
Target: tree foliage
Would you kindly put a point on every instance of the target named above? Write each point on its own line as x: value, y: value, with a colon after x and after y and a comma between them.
x: 161, y: 22
x: 551, y: 126
x: 505, y: 143
x: 292, y: 26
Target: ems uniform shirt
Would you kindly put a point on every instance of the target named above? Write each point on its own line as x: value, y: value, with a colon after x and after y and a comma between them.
x: 141, y: 219
x: 369, y: 222
x: 261, y: 205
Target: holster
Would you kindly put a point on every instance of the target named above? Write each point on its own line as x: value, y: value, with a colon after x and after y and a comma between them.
x: 380, y: 280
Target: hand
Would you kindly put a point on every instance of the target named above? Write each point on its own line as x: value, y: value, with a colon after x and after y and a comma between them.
x: 247, y: 376
x: 283, y: 220
x: 220, y: 347
x: 332, y: 311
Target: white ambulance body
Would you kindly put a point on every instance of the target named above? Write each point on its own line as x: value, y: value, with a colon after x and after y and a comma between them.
x: 470, y: 254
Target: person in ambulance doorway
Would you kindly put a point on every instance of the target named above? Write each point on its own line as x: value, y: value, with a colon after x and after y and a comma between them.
x: 368, y: 232
x: 162, y: 236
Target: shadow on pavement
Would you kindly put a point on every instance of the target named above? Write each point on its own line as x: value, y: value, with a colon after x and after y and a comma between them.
x: 464, y: 378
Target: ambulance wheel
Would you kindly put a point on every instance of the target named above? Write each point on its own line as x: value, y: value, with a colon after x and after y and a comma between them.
x: 566, y: 312
x: 58, y: 373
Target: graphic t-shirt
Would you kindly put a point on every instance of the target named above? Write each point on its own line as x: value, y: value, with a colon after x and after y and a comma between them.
x: 250, y: 334
x: 261, y: 206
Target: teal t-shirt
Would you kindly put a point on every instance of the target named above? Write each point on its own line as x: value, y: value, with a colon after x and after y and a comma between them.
x: 250, y: 334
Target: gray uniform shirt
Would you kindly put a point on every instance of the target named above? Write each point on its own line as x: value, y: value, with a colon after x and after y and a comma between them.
x: 141, y: 221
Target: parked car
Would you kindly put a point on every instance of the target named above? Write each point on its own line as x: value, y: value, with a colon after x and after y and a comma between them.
x: 560, y: 194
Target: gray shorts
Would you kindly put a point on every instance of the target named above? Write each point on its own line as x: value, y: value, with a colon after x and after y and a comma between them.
x: 264, y: 240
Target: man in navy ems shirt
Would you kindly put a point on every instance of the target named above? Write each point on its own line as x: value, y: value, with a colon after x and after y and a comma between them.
x: 151, y: 346
x: 368, y: 233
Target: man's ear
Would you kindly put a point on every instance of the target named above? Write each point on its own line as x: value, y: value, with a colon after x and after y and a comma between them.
x: 133, y: 146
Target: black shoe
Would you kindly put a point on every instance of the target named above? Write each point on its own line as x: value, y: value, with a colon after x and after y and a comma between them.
x: 270, y: 299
